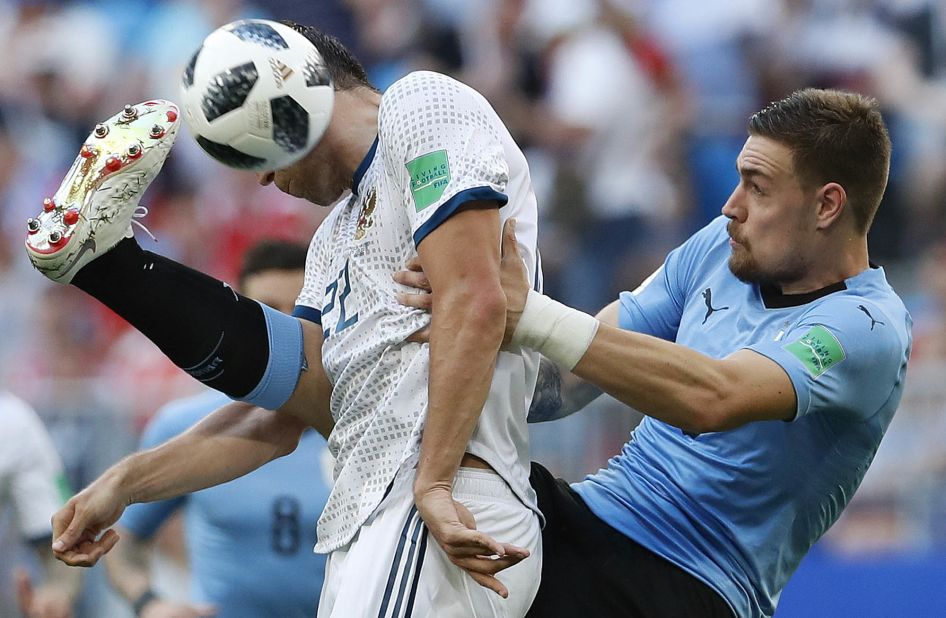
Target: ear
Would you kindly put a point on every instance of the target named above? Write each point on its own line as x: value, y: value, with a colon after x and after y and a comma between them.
x: 832, y: 200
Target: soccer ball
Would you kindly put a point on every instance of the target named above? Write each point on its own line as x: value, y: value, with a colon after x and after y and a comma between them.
x: 257, y: 95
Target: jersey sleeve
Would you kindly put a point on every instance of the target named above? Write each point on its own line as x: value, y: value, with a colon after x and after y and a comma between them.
x: 309, y: 303
x: 656, y: 307
x: 143, y: 520
x: 443, y: 142
x: 38, y: 488
x: 840, y: 359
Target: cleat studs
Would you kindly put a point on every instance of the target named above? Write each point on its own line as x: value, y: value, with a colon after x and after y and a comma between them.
x: 49, y: 205
x: 32, y: 225
x: 55, y: 237
x: 113, y: 163
x: 70, y: 217
x: 157, y: 131
x: 130, y: 112
x: 134, y: 150
x: 101, y: 130
x: 172, y: 115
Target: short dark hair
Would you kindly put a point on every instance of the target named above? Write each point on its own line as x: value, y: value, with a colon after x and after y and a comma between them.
x: 347, y: 72
x: 272, y: 255
x: 834, y: 136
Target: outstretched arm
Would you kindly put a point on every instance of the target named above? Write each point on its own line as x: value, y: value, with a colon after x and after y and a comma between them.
x: 233, y: 441
x: 668, y: 381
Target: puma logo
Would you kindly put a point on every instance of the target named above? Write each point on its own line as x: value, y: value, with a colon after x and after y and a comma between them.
x: 710, y: 309
x: 872, y: 320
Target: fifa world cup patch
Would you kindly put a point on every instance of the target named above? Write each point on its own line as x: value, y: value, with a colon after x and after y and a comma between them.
x: 818, y: 350
x: 430, y: 175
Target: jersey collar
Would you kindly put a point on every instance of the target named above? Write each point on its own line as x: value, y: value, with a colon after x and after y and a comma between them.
x: 363, y: 167
x: 773, y: 298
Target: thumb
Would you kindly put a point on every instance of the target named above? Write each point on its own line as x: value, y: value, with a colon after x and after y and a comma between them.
x: 24, y: 590
x: 71, y: 534
x: 510, y: 248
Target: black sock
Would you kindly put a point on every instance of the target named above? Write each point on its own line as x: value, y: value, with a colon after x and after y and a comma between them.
x: 200, y: 323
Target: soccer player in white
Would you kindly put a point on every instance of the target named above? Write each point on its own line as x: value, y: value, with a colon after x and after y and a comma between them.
x: 33, y: 485
x: 432, y: 433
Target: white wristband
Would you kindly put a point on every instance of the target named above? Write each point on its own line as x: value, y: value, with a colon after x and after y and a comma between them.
x: 558, y: 332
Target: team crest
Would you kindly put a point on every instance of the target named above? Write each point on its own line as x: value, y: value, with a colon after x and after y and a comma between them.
x: 366, y: 218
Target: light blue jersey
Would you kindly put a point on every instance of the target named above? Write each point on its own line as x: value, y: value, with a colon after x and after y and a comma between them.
x: 250, y: 540
x: 739, y: 509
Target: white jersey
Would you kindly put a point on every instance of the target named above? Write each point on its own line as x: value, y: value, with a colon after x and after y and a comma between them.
x: 439, y: 145
x: 31, y: 477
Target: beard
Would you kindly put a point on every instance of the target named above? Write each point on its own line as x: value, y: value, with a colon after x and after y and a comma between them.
x: 745, y: 267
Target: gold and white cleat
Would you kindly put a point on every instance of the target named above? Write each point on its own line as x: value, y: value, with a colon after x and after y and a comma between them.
x: 94, y: 207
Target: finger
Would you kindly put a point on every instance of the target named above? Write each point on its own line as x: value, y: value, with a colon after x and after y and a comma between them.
x: 490, y: 582
x: 485, y: 565
x: 416, y: 301
x: 61, y: 526
x: 421, y: 336
x: 471, y: 543
x: 24, y: 590
x: 71, y: 520
x: 516, y: 551
x: 88, y: 553
x: 412, y: 279
x: 414, y: 264
x: 509, y: 247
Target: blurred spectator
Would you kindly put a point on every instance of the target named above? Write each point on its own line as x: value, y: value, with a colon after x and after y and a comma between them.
x: 33, y: 486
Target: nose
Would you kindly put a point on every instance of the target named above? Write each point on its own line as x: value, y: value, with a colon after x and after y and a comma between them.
x: 266, y: 178
x: 733, y: 208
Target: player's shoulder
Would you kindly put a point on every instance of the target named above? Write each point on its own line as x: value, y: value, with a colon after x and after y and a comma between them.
x: 426, y: 96
x: 868, y: 315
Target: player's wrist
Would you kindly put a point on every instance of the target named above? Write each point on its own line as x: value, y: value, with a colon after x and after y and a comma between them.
x: 558, y: 332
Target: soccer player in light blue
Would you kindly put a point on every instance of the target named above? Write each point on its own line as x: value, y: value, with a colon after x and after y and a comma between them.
x: 250, y: 540
x: 768, y: 355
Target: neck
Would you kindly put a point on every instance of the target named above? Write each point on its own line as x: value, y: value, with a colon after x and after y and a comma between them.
x: 356, y: 123
x: 844, y: 262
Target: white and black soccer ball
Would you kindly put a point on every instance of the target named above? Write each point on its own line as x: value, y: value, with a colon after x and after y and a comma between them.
x: 257, y: 95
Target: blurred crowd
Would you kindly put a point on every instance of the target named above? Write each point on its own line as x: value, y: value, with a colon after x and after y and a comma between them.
x: 631, y: 114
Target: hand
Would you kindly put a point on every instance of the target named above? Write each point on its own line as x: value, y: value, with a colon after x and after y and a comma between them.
x: 42, y: 602
x: 160, y: 608
x: 77, y: 525
x: 514, y: 279
x: 422, y: 299
x: 454, y: 528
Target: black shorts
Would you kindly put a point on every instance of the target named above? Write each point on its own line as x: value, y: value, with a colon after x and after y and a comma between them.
x: 590, y: 570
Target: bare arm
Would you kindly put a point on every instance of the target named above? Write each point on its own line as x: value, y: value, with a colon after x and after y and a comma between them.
x: 229, y: 443
x: 665, y: 380
x: 461, y: 260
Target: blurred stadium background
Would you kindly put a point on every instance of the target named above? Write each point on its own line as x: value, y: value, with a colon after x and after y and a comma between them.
x: 631, y: 113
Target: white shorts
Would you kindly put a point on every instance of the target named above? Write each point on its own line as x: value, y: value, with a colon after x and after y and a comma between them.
x: 393, y: 569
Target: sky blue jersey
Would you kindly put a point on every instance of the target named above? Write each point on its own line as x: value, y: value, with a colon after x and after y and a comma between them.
x: 250, y: 540
x: 739, y: 509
